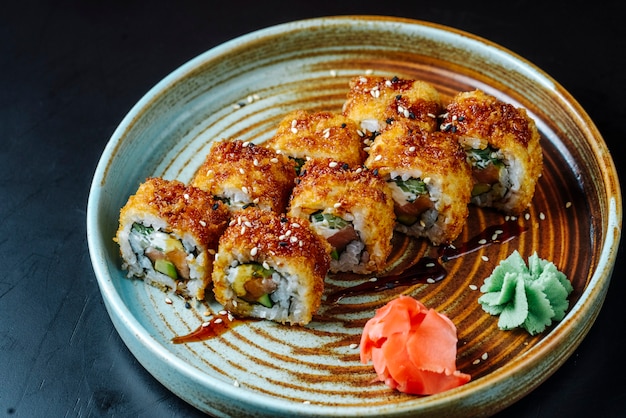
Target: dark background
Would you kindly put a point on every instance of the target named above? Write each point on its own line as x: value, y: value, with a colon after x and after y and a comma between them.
x: 70, y: 71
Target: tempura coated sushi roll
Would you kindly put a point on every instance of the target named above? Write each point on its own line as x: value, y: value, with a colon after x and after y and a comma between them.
x: 350, y: 207
x: 376, y: 102
x: 303, y: 135
x: 242, y: 174
x: 429, y: 179
x: 502, y: 147
x: 168, y: 235
x: 270, y: 266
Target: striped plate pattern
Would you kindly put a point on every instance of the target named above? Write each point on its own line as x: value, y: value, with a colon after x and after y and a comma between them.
x: 242, y: 89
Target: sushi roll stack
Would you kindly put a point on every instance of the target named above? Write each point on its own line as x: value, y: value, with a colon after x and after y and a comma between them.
x: 303, y: 135
x: 270, y: 266
x: 375, y: 102
x: 242, y: 174
x: 429, y: 180
x: 502, y: 147
x: 168, y: 235
x: 350, y: 207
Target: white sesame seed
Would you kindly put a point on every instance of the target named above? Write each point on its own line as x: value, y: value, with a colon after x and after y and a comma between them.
x: 363, y: 79
x: 245, y: 144
x: 388, y: 83
x: 306, y: 402
x: 255, y: 162
x: 333, y: 73
x: 294, y: 122
x: 476, y: 361
x: 411, y: 148
x: 427, y: 180
x: 473, y: 287
x: 353, y: 345
x: 293, y: 240
x: 484, y: 258
x: 256, y: 96
x: 430, y: 115
x: 507, y: 217
x: 369, y: 72
x: 186, y: 196
x: 360, y: 133
x: 430, y: 280
x: 236, y: 106
x: 494, y: 237
x: 206, y: 313
x: 222, y: 312
x: 254, y: 251
x: 248, y: 224
x: 430, y: 265
x: 255, y: 200
x: 218, y: 321
x: 274, y: 160
x: 514, y: 218
x: 266, y: 266
x: 202, y: 223
x: 336, y: 205
x: 499, y: 231
x: 242, y: 171
x: 236, y: 384
x: 231, y: 318
x: 484, y: 356
x: 206, y: 324
x: 527, y: 216
x: 378, y: 157
x: 294, y: 130
x: 400, y: 109
x: 482, y: 241
x: 542, y: 216
x: 373, y: 279
x: 295, y: 225
x: 568, y: 204
x: 244, y: 189
x: 168, y: 301
x: 333, y: 164
x: 250, y: 99
x: 243, y: 230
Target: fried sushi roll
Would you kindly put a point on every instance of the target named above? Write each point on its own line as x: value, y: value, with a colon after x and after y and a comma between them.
x: 242, y: 174
x: 270, y: 266
x: 350, y: 207
x: 375, y: 102
x: 168, y: 235
x: 502, y: 147
x: 302, y: 136
x: 429, y: 180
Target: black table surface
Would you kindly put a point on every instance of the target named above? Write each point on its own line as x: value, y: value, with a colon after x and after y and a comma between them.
x: 71, y: 70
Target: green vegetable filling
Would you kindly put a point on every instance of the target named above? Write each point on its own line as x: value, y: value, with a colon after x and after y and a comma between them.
x: 481, y: 158
x: 249, y: 284
x: 333, y: 222
x: 413, y: 186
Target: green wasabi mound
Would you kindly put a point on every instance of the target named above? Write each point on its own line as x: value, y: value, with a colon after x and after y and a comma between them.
x: 524, y: 296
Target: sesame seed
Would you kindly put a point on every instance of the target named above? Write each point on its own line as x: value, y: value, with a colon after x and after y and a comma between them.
x: 294, y: 130
x: 514, y: 218
x: 245, y: 144
x: 388, y: 83
x: 202, y: 223
x: 430, y: 265
x: 186, y: 196
x: 484, y: 258
x: 306, y: 402
x: 266, y: 266
x: 206, y: 324
x: 482, y: 241
x: 256, y: 96
x: 499, y: 231
x: 336, y: 205
x: 427, y: 180
x: 378, y: 157
x: 353, y: 345
x: 294, y: 122
x: 250, y: 99
x: 484, y: 356
x: 248, y: 224
x: 400, y: 109
x: 242, y: 171
x: 507, y: 217
x: 295, y: 225
x: 274, y: 160
x: 255, y: 162
x: 332, y: 164
x: 293, y: 240
x: 358, y: 170
x: 430, y: 280
x: 473, y: 287
x: 244, y: 189
x: 494, y: 237
x: 236, y: 106
x: 168, y: 301
x: 236, y: 384
x: 430, y: 115
x: 206, y: 313
x: 411, y: 148
x: 222, y: 312
x: 254, y: 251
x: 527, y: 216
x: 243, y: 230
x: 369, y: 72
x: 568, y: 204
x: 333, y: 73
x: 360, y: 132
x: 218, y: 321
x: 542, y: 216
x: 476, y: 361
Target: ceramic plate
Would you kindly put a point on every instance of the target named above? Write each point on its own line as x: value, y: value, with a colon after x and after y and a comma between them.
x: 242, y: 89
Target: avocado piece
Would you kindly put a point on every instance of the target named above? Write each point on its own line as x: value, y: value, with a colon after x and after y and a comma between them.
x: 480, y: 188
x: 166, y: 267
x: 265, y: 301
x: 407, y: 220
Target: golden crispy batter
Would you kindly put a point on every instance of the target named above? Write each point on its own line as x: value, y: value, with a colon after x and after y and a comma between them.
x: 286, y: 244
x: 479, y: 120
x: 316, y: 135
x: 260, y: 173
x: 402, y: 148
x: 334, y: 187
x: 385, y: 100
x: 186, y: 209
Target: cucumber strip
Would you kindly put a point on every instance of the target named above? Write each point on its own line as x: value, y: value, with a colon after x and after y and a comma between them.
x: 334, y: 222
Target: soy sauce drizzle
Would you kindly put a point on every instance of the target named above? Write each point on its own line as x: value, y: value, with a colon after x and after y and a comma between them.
x: 215, y: 327
x: 430, y: 270
x: 426, y: 270
x: 494, y: 234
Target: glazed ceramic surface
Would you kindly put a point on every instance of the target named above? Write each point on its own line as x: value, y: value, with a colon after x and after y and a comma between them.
x: 242, y: 89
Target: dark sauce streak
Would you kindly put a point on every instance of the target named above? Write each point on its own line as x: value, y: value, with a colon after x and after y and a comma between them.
x: 495, y: 234
x: 426, y: 270
x: 430, y: 270
x: 217, y: 326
